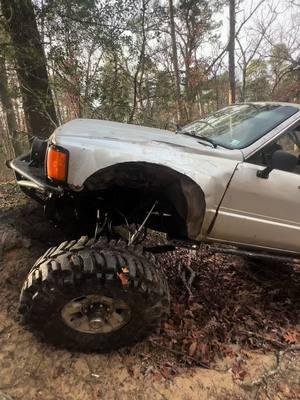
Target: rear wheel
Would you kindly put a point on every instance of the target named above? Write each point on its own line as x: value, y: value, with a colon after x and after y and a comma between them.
x: 88, y: 295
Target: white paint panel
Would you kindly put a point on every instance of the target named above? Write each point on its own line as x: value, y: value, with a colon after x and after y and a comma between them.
x: 264, y: 212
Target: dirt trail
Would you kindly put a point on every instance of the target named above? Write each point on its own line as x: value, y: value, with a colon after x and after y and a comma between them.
x: 31, y: 370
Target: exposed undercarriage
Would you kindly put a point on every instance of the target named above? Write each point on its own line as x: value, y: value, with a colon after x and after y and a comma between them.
x: 118, y: 213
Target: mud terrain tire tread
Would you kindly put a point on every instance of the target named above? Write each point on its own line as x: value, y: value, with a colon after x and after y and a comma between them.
x: 82, y: 267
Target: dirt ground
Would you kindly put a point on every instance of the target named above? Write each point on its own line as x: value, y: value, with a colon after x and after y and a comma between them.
x: 239, y: 323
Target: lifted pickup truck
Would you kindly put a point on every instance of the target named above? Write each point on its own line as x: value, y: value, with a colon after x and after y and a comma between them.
x: 232, y: 179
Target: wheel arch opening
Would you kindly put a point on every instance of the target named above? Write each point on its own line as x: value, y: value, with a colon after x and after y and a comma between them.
x: 180, y: 193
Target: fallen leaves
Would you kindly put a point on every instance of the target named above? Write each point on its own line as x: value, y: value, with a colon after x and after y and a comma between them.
x: 124, y: 276
x: 193, y: 348
x: 228, y: 307
x: 11, y: 195
x: 291, y: 336
x: 239, y: 372
x: 166, y: 372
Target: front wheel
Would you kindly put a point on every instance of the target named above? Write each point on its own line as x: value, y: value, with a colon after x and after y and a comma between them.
x: 87, y: 295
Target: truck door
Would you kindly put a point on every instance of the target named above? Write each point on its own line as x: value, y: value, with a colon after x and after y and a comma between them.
x: 263, y: 212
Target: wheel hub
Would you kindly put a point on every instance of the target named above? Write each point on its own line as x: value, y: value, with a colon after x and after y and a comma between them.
x: 96, y: 314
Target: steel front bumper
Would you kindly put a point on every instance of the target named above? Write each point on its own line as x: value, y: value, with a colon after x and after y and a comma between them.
x: 30, y: 177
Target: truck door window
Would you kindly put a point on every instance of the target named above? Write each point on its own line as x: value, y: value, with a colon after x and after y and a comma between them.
x: 289, y: 142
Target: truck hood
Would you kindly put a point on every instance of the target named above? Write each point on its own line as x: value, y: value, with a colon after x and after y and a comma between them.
x: 93, y: 129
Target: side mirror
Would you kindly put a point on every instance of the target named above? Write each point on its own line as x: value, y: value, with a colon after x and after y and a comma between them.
x: 281, y: 160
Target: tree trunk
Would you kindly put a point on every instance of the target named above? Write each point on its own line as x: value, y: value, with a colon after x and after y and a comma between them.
x: 5, y: 141
x: 31, y: 66
x: 175, y: 64
x: 8, y: 110
x: 231, y: 55
x: 138, y: 76
x: 244, y: 74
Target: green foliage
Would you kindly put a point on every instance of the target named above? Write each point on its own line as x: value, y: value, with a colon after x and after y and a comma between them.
x: 112, y: 91
x: 258, y: 81
x: 279, y: 58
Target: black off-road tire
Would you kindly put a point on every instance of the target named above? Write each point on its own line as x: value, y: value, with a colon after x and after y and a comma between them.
x: 82, y: 268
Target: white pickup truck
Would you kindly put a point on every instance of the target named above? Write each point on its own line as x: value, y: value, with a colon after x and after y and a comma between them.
x: 232, y: 179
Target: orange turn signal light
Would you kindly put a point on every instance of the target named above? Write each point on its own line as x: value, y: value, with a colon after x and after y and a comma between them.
x: 57, y: 163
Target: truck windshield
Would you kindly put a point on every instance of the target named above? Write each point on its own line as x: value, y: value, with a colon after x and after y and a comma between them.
x: 238, y: 126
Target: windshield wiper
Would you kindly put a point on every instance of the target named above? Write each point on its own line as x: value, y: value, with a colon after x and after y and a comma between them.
x: 206, y: 139
x: 203, y: 138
